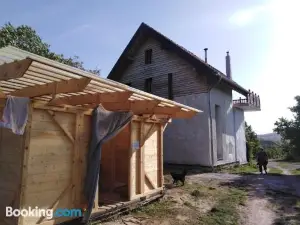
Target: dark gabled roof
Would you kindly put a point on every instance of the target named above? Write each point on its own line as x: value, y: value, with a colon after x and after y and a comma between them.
x: 143, y: 33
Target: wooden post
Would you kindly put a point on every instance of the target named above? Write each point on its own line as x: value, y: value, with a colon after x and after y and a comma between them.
x: 76, y: 169
x: 141, y: 159
x: 24, y: 168
x: 160, y: 175
x: 129, y: 164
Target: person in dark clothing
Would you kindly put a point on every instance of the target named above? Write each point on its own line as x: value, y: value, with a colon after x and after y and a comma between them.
x: 262, y: 160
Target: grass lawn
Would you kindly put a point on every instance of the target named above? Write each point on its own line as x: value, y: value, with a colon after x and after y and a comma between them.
x: 242, y: 169
x: 295, y: 172
x: 224, y: 209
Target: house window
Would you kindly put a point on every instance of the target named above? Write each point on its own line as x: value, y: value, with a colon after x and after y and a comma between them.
x: 148, y: 56
x: 148, y: 85
x: 129, y: 84
x: 170, y: 86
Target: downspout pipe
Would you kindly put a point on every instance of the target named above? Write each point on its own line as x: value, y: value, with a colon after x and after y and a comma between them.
x: 210, y: 122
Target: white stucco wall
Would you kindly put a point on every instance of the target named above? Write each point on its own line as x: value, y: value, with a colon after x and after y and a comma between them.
x: 224, y: 100
x: 240, y: 135
x: 187, y: 141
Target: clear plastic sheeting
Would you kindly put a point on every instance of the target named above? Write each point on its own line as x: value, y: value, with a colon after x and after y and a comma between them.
x: 15, y: 114
x: 105, y: 125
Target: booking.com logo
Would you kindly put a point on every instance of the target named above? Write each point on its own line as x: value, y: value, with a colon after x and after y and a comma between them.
x: 47, y: 213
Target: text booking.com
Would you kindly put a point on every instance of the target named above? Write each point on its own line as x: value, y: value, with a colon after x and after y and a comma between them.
x: 47, y: 213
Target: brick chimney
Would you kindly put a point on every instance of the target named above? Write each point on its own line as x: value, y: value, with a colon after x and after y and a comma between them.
x: 228, y: 66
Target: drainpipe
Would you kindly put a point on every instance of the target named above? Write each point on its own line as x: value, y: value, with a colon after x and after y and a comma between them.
x: 210, y: 119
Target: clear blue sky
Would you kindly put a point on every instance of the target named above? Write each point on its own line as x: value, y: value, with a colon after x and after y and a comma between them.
x: 262, y: 37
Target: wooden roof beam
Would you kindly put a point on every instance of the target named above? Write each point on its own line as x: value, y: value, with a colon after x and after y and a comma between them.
x: 96, y: 98
x: 65, y: 86
x: 14, y: 69
x: 182, y: 114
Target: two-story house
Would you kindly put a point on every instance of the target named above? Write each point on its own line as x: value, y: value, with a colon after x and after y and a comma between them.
x: 153, y: 63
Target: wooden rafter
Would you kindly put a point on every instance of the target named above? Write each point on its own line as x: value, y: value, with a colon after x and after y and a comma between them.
x: 66, y: 86
x: 97, y: 98
x: 14, y: 69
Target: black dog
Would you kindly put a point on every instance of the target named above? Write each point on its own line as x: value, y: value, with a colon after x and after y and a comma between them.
x: 179, y: 177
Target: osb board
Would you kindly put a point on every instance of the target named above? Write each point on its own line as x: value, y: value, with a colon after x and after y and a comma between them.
x: 114, y: 160
x: 11, y: 150
x: 151, y: 154
x: 50, y: 156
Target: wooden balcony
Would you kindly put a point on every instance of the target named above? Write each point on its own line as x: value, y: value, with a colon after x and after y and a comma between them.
x: 251, y: 103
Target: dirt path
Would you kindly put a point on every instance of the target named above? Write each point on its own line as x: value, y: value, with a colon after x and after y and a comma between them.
x: 286, y: 170
x: 272, y: 199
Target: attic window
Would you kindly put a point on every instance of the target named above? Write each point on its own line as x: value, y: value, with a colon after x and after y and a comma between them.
x: 148, y: 85
x: 148, y: 56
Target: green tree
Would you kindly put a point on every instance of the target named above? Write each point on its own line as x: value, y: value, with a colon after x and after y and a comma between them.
x: 290, y: 130
x: 251, y: 138
x: 26, y: 38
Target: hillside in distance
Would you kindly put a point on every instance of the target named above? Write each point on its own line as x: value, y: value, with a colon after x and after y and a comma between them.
x: 270, y: 137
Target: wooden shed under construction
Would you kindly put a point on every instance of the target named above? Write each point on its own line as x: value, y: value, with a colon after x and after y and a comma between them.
x: 46, y: 166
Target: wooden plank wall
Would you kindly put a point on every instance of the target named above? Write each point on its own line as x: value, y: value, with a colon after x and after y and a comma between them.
x: 11, y: 154
x: 50, y: 162
x: 145, y: 158
x: 186, y: 81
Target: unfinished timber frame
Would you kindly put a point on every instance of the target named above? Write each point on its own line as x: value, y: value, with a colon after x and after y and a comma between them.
x: 46, y: 166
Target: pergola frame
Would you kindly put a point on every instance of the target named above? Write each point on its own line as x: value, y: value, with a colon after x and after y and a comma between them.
x: 54, y: 84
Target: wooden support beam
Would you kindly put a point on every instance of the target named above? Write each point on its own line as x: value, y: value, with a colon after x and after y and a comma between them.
x: 146, y: 135
x: 93, y: 98
x: 25, y: 160
x: 166, y: 110
x: 14, y: 69
x: 2, y: 94
x: 160, y: 152
x: 137, y: 107
x: 65, y: 86
x: 55, y: 203
x: 130, y: 151
x: 150, y: 181
x: 141, y: 161
x: 66, y: 132
x: 76, y: 169
x: 184, y: 114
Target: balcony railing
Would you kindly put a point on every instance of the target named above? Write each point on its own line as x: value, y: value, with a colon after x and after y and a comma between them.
x: 251, y: 103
